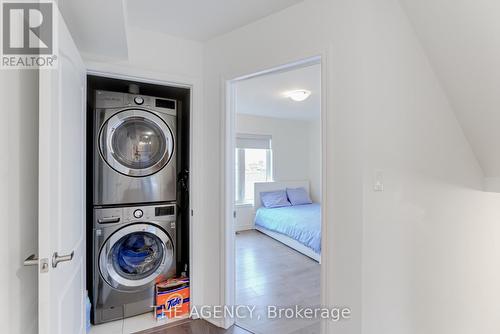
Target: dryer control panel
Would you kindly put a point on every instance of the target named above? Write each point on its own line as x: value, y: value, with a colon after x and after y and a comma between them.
x: 167, y: 210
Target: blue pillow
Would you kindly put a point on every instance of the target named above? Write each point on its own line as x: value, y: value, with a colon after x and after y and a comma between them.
x: 298, y: 196
x: 274, y: 199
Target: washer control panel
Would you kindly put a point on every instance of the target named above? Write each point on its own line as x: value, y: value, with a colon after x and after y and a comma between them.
x: 106, y: 217
x: 151, y: 212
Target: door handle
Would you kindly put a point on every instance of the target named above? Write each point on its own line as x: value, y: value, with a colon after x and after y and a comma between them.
x: 56, y: 258
x: 31, y: 260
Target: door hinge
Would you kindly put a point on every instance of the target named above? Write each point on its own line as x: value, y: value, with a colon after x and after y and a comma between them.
x: 192, y: 212
x: 234, y: 214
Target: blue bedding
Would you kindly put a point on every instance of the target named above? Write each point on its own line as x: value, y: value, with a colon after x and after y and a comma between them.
x: 300, y: 222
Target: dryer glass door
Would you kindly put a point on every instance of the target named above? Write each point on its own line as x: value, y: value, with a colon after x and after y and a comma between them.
x: 136, y: 256
x: 136, y: 142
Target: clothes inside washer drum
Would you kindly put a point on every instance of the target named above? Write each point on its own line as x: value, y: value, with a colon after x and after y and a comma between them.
x: 137, y: 255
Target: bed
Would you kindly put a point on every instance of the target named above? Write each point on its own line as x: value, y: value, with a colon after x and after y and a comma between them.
x: 298, y: 227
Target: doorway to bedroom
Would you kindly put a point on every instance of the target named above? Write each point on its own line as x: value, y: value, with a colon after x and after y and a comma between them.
x: 276, y: 170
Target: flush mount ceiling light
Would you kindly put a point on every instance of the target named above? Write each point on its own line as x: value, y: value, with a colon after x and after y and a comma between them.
x: 298, y: 95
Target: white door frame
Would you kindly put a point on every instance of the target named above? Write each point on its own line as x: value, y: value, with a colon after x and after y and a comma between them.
x: 195, y: 268
x: 228, y: 259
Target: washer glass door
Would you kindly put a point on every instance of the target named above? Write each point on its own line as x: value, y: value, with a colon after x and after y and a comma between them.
x: 136, y: 142
x: 134, y: 256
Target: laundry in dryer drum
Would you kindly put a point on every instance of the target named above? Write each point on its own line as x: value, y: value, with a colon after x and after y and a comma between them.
x: 172, y: 298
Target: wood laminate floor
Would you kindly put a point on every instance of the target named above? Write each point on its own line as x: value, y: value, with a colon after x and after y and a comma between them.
x: 271, y: 273
x: 195, y: 327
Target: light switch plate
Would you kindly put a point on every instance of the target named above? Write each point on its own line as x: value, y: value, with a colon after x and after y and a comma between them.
x: 378, y: 184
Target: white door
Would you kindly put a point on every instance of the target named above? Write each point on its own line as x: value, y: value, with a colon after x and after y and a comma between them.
x: 62, y: 191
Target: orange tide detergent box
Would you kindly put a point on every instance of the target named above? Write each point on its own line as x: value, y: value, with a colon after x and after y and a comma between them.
x: 172, y: 298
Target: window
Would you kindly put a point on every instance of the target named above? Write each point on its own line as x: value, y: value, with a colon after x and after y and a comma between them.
x: 253, y: 164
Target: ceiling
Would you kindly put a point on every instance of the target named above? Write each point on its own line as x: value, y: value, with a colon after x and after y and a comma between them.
x: 200, y: 20
x: 98, y: 27
x: 462, y: 41
x: 264, y: 95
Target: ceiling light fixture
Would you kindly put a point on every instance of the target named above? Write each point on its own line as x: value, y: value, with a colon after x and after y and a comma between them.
x: 298, y: 95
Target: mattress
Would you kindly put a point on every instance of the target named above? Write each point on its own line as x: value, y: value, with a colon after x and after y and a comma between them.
x: 301, y: 223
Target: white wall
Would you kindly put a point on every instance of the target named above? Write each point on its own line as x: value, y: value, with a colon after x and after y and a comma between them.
x: 301, y: 31
x: 411, y: 248
x: 19, y: 200
x: 154, y: 54
x: 314, y: 159
x: 290, y: 140
x: 422, y: 234
x: 492, y: 184
x: 430, y: 250
x: 295, y: 153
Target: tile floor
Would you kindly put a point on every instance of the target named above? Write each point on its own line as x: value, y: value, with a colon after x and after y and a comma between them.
x: 130, y: 325
x: 270, y: 273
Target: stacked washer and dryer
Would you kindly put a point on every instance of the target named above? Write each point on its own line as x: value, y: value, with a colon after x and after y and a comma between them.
x: 134, y: 202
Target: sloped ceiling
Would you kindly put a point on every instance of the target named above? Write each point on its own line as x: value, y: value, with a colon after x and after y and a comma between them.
x: 200, y: 20
x: 100, y: 27
x: 97, y: 26
x: 462, y: 41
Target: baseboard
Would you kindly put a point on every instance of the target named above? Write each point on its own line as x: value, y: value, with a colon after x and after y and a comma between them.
x: 244, y: 227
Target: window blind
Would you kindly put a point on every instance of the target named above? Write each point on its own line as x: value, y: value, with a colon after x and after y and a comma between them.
x: 253, y: 141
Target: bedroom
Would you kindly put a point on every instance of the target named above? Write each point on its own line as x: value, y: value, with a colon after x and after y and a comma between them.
x: 277, y: 174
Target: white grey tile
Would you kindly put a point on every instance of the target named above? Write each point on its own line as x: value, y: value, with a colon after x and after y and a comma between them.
x: 113, y: 327
x: 143, y: 322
